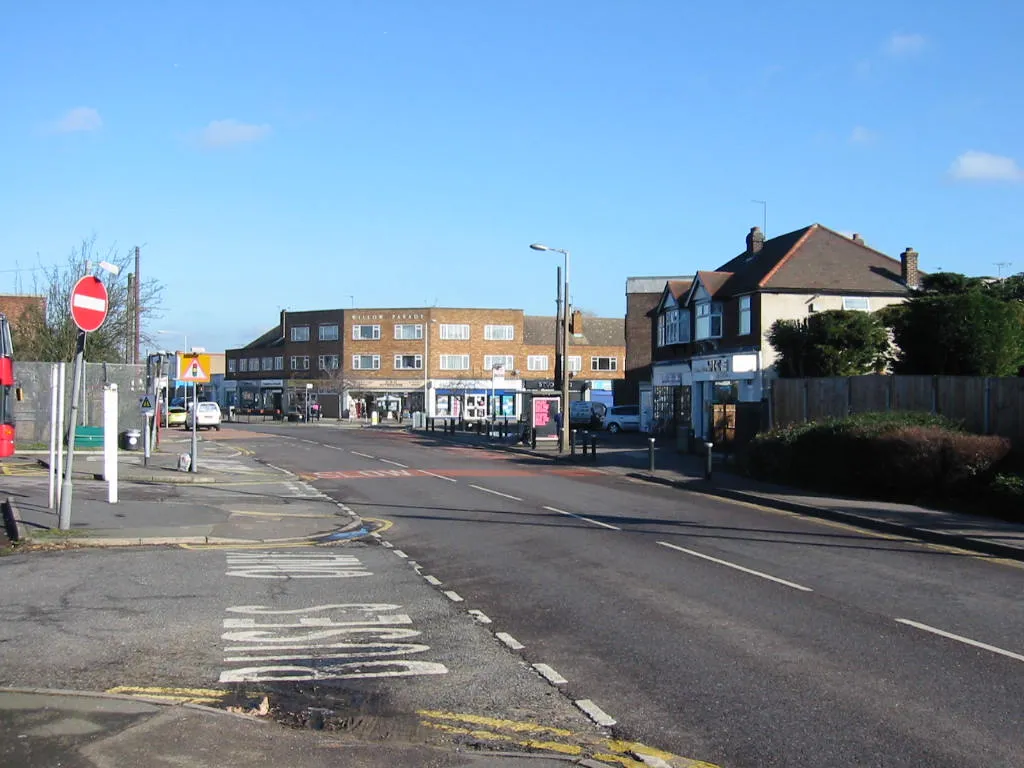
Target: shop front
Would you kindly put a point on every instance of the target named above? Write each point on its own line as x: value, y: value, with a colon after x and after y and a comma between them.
x: 476, y: 399
x: 721, y: 384
x: 664, y: 410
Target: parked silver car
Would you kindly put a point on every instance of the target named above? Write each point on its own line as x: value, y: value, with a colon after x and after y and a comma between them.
x: 621, y: 418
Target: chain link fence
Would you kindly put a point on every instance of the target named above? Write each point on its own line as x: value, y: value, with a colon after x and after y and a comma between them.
x: 32, y: 415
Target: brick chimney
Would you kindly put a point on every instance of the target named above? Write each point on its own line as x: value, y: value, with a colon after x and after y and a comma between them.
x: 908, y: 268
x: 755, y: 242
x: 576, y: 322
x: 857, y: 239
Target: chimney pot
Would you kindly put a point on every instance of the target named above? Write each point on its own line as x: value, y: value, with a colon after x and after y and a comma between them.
x: 858, y: 239
x: 908, y: 268
x: 755, y: 242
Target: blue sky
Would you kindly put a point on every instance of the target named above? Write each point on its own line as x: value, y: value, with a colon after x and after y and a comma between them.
x: 405, y: 152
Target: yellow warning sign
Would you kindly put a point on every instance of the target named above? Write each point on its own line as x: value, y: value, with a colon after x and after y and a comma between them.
x: 146, y: 402
x: 193, y: 366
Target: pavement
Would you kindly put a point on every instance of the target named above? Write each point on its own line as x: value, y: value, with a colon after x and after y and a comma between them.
x: 45, y: 728
x: 231, y: 498
x: 628, y: 454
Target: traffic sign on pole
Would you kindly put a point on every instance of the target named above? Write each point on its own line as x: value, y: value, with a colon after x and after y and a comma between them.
x: 89, y: 303
x: 194, y: 367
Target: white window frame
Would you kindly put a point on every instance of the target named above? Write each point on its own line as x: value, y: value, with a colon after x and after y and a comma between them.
x: 322, y: 336
x: 299, y: 333
x: 323, y: 360
x: 243, y: 365
x: 232, y: 365
x: 416, y: 366
x: 254, y: 364
x: 707, y: 313
x: 575, y: 363
x: 506, y: 361
x: 300, y: 362
x: 357, y: 332
x: 454, y: 363
x: 850, y: 303
x: 536, y: 362
x: 499, y: 333
x: 454, y: 332
x: 613, y: 363
x: 357, y: 363
x: 417, y: 332
x: 745, y: 312
x: 279, y: 362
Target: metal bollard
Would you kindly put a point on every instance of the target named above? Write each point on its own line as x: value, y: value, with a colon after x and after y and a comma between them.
x: 572, y: 443
x: 650, y: 452
x: 533, y: 438
x: 707, y: 469
x: 593, y: 448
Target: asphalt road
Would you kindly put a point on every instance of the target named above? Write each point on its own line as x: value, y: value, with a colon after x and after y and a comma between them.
x: 722, y: 631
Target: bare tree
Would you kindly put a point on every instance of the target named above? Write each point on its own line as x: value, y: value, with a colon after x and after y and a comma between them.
x: 49, y: 333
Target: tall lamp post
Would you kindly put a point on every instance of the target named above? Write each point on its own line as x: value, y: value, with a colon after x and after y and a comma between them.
x: 426, y: 367
x: 564, y: 443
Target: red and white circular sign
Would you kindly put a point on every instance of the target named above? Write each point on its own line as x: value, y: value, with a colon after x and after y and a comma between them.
x: 89, y: 303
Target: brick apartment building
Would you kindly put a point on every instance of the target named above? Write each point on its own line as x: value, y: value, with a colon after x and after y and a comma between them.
x: 470, y: 362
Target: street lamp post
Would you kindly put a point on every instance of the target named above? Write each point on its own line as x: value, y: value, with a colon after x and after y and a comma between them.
x: 564, y: 444
x: 426, y: 367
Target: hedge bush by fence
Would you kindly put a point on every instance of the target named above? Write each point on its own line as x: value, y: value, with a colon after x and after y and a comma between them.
x: 892, y: 455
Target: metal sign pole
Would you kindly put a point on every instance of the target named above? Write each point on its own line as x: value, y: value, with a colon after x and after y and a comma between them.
x: 195, y: 419
x: 145, y: 454
x: 64, y: 518
x: 52, y: 472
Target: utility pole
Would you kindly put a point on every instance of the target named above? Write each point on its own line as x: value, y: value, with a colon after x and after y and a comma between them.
x: 137, y: 309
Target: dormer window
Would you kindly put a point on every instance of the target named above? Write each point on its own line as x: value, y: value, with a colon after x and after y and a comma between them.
x: 673, y: 327
x: 709, y: 320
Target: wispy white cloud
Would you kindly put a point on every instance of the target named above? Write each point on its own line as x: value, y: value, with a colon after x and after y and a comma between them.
x: 862, y: 135
x: 905, y: 44
x: 984, y: 166
x: 228, y: 133
x: 77, y: 120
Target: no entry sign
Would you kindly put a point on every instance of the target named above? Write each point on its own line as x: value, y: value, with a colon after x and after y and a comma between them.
x: 89, y: 303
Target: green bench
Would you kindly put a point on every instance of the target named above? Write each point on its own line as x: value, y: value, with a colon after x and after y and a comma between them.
x: 88, y: 437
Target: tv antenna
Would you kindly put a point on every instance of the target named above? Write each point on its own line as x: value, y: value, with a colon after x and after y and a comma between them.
x: 1000, y: 265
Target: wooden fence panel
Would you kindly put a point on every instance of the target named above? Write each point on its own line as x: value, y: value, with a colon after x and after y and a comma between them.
x: 828, y: 398
x: 962, y: 398
x: 787, y: 401
x: 1006, y: 408
x: 913, y: 393
x: 869, y: 394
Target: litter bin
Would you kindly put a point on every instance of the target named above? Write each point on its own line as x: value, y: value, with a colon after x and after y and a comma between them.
x: 131, y: 440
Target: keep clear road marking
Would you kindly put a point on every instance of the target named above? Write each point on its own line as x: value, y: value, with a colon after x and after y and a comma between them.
x: 336, y: 641
x: 727, y: 564
x: 962, y: 639
x: 364, y: 455
x: 584, y: 519
x: 439, y: 477
x: 396, y: 463
x: 496, y: 493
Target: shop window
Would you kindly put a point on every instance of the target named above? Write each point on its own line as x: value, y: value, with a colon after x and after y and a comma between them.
x: 604, y: 363
x: 366, y: 362
x: 300, y: 333
x: 499, y: 332
x: 408, y: 331
x: 329, y: 332
x: 408, y: 362
x: 537, y: 362
x: 454, y: 332
x: 365, y: 332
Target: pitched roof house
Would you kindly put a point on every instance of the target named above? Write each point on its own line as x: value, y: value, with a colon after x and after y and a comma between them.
x: 713, y: 336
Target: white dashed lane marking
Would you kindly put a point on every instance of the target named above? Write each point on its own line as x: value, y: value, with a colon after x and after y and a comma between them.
x: 727, y: 564
x: 550, y: 675
x: 433, y: 580
x: 595, y: 713
x: 364, y: 455
x: 480, y: 616
x: 439, y: 477
x: 510, y: 641
x: 584, y: 519
x: 961, y: 639
x: 496, y: 493
x: 455, y: 597
x: 395, y: 463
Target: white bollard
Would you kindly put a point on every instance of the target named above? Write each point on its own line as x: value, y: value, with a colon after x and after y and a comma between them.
x: 110, y: 441
x: 54, y: 437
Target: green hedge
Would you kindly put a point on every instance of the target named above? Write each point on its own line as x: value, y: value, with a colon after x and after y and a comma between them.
x: 892, y: 455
